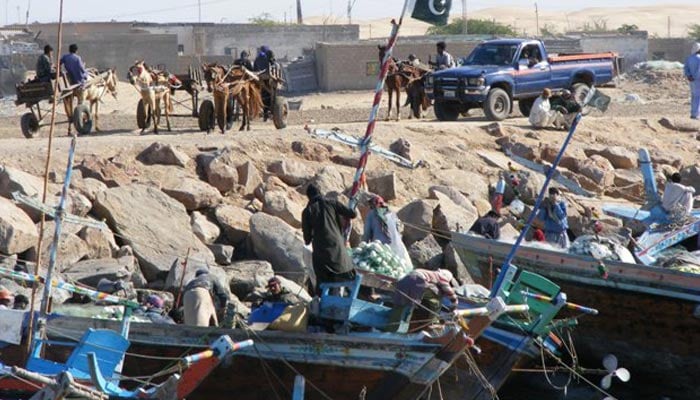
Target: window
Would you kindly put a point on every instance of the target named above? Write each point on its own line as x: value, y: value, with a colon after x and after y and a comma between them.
x: 180, y: 49
x: 228, y: 51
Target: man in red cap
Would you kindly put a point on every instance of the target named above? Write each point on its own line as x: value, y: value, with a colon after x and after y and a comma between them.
x: 6, y: 299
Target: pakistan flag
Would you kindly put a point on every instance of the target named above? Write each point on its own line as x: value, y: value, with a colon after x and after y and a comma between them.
x: 433, y: 12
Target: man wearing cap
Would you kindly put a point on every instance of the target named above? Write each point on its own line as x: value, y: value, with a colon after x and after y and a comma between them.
x: 200, y: 294
x: 553, y: 213
x: 45, y: 70
x: 262, y: 61
x: 487, y: 226
x: 423, y: 290
x: 691, y: 69
x: 321, y: 223
x: 21, y: 302
x: 276, y: 293
x: 6, y: 299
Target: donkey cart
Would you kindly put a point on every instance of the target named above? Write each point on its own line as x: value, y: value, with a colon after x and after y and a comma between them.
x: 32, y: 94
x: 191, y: 82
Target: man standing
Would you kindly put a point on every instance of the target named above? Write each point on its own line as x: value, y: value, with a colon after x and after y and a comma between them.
x: 45, y: 70
x: 553, y: 213
x: 444, y: 59
x: 199, y: 299
x: 677, y: 198
x: 321, y: 223
x: 74, y: 66
x: 244, y: 61
x: 692, y: 73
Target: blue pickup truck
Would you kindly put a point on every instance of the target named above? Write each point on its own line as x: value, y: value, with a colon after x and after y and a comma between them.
x: 498, y: 72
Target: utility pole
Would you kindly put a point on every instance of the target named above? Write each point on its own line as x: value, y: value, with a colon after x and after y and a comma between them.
x: 464, y: 17
x: 7, y: 12
x: 537, y: 19
x: 300, y: 19
x: 199, y: 9
x: 668, y: 24
x: 26, y: 20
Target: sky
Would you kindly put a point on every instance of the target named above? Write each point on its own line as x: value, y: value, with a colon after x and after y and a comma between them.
x: 12, y: 11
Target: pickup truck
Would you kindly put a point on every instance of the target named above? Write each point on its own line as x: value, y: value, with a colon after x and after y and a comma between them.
x: 498, y: 72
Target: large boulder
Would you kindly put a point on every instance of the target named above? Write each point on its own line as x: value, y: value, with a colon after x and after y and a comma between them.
x: 665, y: 157
x: 417, y: 217
x: 154, y: 224
x: 234, y: 221
x: 598, y: 169
x: 426, y: 253
x: 165, y: 154
x: 205, y: 230
x: 14, y: 180
x: 223, y: 253
x: 312, y: 151
x: 470, y: 183
x: 221, y: 174
x: 455, y: 265
x: 401, y: 147
x: 88, y: 187
x: 276, y: 242
x: 549, y: 154
x: 77, y: 204
x: 17, y: 230
x: 100, y: 243
x: 104, y: 170
x: 329, y: 180
x: 291, y: 172
x: 248, y: 177
x: 385, y: 185
x: 691, y: 176
x: 449, y: 217
x: 89, y: 272
x: 192, y: 193
x: 71, y: 248
x: 245, y: 277
x: 618, y: 156
x: 627, y: 177
x: 453, y: 194
x: 277, y: 203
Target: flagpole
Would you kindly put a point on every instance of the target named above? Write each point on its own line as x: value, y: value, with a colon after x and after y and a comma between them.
x: 379, y: 89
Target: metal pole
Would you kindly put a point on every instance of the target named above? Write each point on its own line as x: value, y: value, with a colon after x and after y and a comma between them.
x: 464, y: 17
x: 199, y: 8
x: 669, y: 26
x: 537, y: 19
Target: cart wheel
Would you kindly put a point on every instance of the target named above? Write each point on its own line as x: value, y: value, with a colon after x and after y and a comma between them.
x: 280, y: 110
x: 143, y: 118
x: 82, y: 120
x: 230, y: 112
x: 206, y: 116
x: 30, y: 125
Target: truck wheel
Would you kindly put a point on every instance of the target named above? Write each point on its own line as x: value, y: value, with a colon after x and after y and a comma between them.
x: 525, y: 106
x: 497, y: 106
x: 280, y: 111
x: 82, y: 120
x: 445, y: 111
x: 29, y: 124
x: 580, y: 91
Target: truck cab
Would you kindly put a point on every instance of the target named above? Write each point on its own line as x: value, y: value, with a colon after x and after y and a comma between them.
x: 498, y: 72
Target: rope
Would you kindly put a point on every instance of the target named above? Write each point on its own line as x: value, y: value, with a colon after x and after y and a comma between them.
x: 474, y: 369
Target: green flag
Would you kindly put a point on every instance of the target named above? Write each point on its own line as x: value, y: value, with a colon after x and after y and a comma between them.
x: 434, y: 12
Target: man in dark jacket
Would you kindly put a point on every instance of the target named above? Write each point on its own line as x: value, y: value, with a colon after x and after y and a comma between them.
x: 45, y: 70
x: 321, y: 223
x: 244, y: 61
x: 262, y: 62
x: 200, y: 294
x: 487, y: 226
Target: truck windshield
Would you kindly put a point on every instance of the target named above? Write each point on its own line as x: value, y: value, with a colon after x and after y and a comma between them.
x: 492, y: 54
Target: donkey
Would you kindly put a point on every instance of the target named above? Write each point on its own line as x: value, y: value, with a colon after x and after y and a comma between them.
x: 103, y: 83
x: 396, y: 80
x: 154, y: 89
x: 235, y: 82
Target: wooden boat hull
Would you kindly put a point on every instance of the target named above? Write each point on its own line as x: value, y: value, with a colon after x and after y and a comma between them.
x: 381, y: 366
x: 648, y: 316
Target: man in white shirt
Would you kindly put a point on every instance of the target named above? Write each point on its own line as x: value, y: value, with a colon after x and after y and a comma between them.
x: 677, y: 198
x: 542, y: 115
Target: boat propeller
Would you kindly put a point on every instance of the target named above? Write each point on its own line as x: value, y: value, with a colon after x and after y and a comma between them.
x: 610, y: 364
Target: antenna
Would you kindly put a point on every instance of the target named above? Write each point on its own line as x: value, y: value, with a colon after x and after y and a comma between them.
x: 537, y: 19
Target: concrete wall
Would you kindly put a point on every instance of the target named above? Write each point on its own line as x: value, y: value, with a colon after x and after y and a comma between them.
x: 634, y: 48
x: 286, y: 40
x: 675, y: 49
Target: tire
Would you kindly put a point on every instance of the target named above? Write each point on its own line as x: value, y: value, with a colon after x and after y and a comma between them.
x: 206, y: 116
x: 525, y: 106
x: 143, y: 116
x: 580, y: 91
x: 445, y: 111
x: 280, y: 111
x: 30, y: 125
x: 82, y: 120
x: 497, y: 105
x: 230, y: 112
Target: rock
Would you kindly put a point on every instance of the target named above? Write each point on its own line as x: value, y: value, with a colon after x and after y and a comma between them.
x: 401, y: 147
x: 598, y: 169
x: 627, y: 177
x: 205, y: 230
x: 159, y: 153
x: 495, y: 129
x: 17, y: 231
x: 426, y: 253
x: 223, y: 253
x: 663, y: 157
x: 348, y: 161
x: 386, y: 185
x: 276, y: 242
x: 508, y: 232
x: 679, y: 125
x: 88, y: 187
x: 14, y: 180
x: 691, y: 176
x: 278, y: 204
x: 100, y: 243
x: 452, y: 193
x: 528, y: 186
x: 245, y: 277
x: 103, y: 170
x: 312, y: 151
x: 89, y: 272
x: 291, y: 172
x: 449, y: 217
x: 533, y: 135
x: 154, y: 224
x: 482, y: 206
x: 248, y: 177
x: 77, y: 204
x: 455, y: 265
x: 549, y: 154
x: 329, y: 180
x: 523, y: 150
x: 417, y: 217
x: 221, y: 175
x: 234, y: 221
x: 71, y: 248
x: 469, y: 183
x: 192, y: 193
x: 618, y: 156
